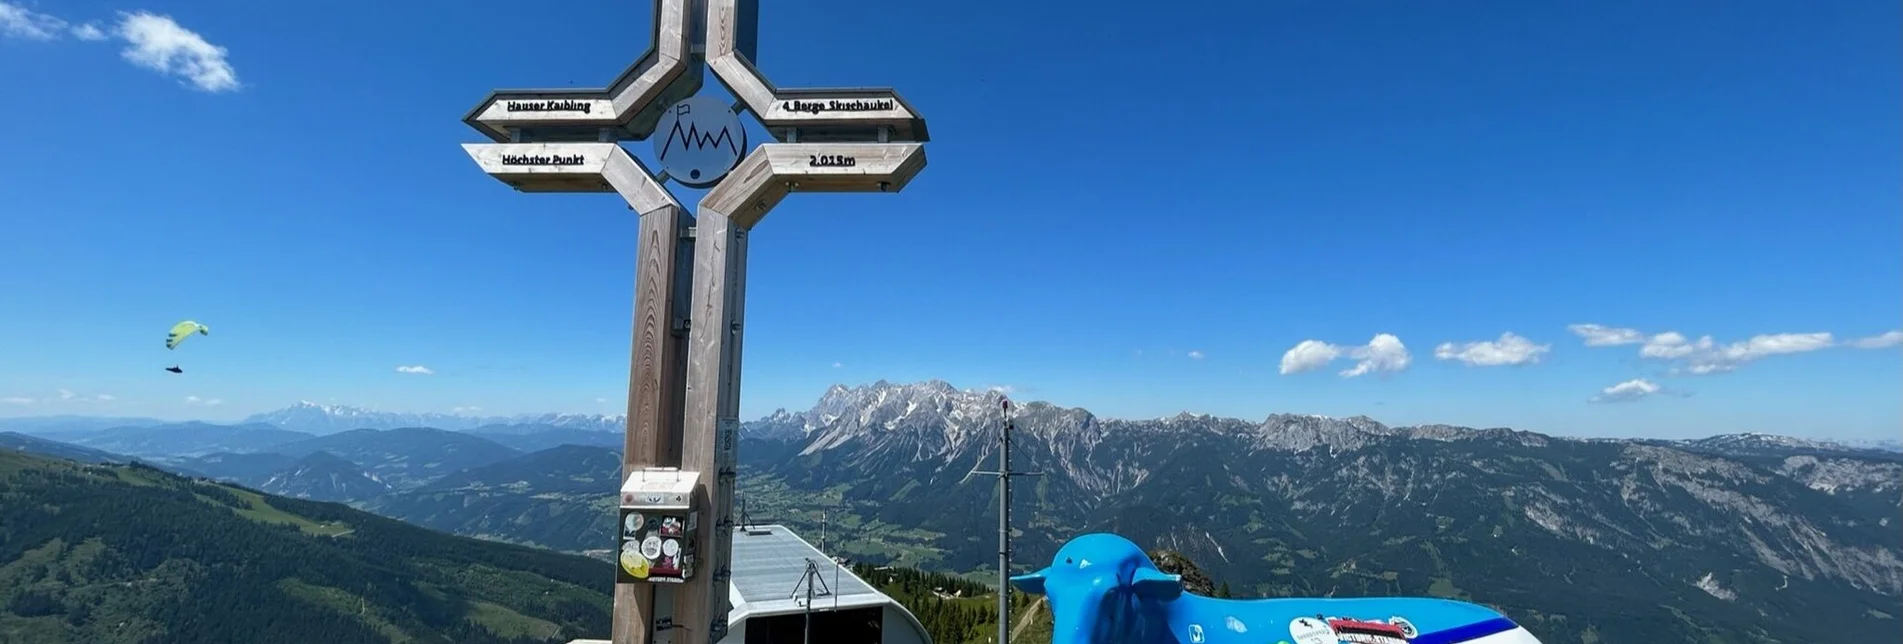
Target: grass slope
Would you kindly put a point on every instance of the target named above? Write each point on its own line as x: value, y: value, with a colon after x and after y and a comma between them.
x: 128, y: 553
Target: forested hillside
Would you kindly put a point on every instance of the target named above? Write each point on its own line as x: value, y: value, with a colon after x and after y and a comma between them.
x: 128, y: 553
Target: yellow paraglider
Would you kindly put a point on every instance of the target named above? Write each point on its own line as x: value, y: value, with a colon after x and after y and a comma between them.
x: 179, y: 332
x: 184, y: 330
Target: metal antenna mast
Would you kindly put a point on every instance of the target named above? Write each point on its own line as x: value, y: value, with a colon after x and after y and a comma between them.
x: 1004, y: 475
x: 810, y: 579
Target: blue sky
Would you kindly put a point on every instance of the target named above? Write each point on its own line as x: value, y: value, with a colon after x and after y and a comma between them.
x: 1130, y: 210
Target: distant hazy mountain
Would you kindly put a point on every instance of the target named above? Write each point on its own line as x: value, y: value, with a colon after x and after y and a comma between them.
x: 329, y: 419
x: 183, y: 439
x: 250, y: 470
x: 68, y: 423
x: 560, y: 498
x: 35, y: 445
x: 535, y: 438
x: 406, y: 457
x: 322, y: 476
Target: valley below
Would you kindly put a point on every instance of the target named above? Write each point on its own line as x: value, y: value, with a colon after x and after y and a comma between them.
x: 1734, y: 538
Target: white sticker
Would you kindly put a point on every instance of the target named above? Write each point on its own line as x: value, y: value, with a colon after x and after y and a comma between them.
x: 1235, y: 624
x: 1308, y: 630
x: 1407, y: 627
x: 651, y: 547
x: 1195, y: 634
x: 670, y: 547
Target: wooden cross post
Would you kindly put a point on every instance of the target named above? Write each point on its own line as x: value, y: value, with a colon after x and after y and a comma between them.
x: 566, y: 141
x: 690, y: 293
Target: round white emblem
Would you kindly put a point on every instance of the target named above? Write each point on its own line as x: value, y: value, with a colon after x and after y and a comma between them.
x: 698, y: 140
x: 1308, y: 630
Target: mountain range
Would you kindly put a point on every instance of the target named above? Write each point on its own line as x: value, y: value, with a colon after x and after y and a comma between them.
x: 313, y: 418
x: 1742, y: 537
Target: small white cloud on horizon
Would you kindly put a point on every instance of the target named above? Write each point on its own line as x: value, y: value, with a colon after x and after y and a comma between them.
x: 16, y: 400
x: 89, y: 32
x: 1604, y: 336
x: 416, y: 369
x: 1195, y: 355
x: 1706, y: 356
x: 1003, y: 389
x: 1383, y: 354
x: 105, y: 397
x: 1883, y: 341
x: 1509, y: 350
x: 67, y: 395
x: 19, y: 22
x: 465, y: 410
x: 1628, y: 391
x: 205, y: 402
x: 603, y: 401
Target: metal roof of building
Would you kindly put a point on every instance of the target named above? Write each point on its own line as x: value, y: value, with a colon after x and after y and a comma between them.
x: 769, y: 562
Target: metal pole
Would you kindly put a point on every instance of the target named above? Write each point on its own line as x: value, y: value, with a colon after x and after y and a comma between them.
x: 1004, y: 527
x: 810, y: 573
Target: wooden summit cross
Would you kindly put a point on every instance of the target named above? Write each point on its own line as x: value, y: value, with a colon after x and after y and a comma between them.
x: 684, y: 385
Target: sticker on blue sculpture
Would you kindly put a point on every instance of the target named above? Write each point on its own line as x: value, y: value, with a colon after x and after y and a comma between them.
x: 1195, y: 634
x: 1407, y: 627
x: 1308, y: 630
x: 1367, y: 631
x: 1235, y: 624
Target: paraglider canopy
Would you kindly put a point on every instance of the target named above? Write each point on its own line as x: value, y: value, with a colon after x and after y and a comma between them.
x: 184, y: 330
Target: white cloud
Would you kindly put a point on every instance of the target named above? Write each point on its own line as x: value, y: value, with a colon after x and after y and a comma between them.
x: 204, y: 402
x: 153, y: 41
x: 1510, y: 349
x: 1605, y: 336
x: 16, y: 400
x: 602, y: 400
x: 1309, y: 355
x: 837, y: 365
x: 1384, y: 353
x: 1706, y: 356
x: 160, y: 44
x: 105, y: 397
x: 466, y: 410
x: 416, y: 369
x: 1628, y: 391
x: 67, y: 395
x: 1003, y: 389
x: 19, y: 22
x: 1884, y: 341
x: 1195, y: 355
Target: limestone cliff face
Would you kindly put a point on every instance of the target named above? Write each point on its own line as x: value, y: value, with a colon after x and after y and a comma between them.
x: 1175, y: 563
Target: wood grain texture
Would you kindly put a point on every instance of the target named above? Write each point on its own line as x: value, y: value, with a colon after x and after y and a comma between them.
x: 632, y: 180
x: 773, y: 170
x: 654, y: 383
x: 573, y: 177
x: 664, y: 71
x: 713, y: 400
